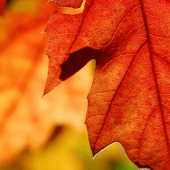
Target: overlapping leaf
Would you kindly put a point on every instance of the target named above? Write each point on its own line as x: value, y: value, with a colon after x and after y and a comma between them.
x: 129, y: 101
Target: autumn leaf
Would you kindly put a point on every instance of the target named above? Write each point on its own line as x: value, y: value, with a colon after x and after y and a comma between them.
x: 129, y: 100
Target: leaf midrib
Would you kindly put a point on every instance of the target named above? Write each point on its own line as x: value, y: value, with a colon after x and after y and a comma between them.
x: 154, y: 75
x: 153, y: 69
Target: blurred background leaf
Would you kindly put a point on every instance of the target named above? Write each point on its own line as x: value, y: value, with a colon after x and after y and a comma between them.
x: 43, y: 133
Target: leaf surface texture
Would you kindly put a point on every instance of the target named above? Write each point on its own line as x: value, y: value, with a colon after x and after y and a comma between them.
x: 129, y: 100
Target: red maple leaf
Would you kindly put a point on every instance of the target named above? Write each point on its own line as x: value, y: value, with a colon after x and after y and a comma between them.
x: 129, y: 100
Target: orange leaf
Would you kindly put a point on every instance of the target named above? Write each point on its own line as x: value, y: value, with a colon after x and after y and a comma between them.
x: 129, y: 101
